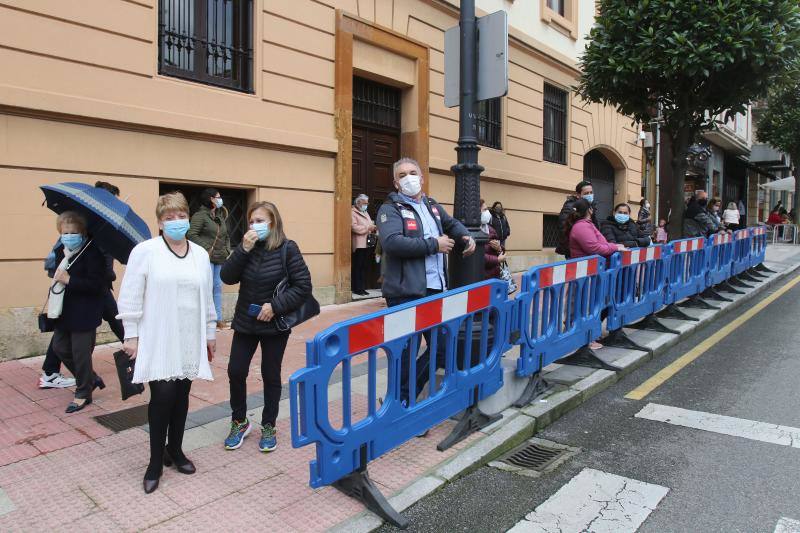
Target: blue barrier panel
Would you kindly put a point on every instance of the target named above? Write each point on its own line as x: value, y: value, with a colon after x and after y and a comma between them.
x: 471, y: 372
x: 638, y: 279
x: 687, y: 269
x: 741, y: 251
x: 559, y: 310
x: 758, y: 250
x: 720, y: 258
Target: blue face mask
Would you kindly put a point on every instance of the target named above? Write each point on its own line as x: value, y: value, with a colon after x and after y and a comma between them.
x: 262, y: 228
x: 72, y: 241
x: 176, y: 229
x: 589, y: 197
x: 622, y: 218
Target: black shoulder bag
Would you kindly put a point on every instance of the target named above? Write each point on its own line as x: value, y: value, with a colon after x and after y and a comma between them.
x: 309, y: 308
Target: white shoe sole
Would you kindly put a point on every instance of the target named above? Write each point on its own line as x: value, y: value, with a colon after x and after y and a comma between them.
x: 49, y: 385
x: 267, y: 450
x: 241, y: 441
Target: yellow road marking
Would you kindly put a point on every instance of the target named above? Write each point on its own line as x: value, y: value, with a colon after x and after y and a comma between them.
x: 676, y: 366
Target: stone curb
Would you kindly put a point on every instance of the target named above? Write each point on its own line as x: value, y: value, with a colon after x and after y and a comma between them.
x: 518, y: 425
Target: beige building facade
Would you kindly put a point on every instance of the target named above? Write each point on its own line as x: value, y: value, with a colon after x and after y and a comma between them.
x: 300, y: 102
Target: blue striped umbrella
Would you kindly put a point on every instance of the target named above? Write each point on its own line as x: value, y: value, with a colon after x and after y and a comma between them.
x: 113, y: 225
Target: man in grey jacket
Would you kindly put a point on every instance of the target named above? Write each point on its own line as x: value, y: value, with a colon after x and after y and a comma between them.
x: 415, y: 234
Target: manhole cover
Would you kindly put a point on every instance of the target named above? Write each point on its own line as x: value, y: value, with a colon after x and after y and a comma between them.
x: 535, y: 457
x: 125, y: 419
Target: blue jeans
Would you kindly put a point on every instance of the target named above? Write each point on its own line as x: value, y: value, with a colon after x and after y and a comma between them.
x: 215, y: 270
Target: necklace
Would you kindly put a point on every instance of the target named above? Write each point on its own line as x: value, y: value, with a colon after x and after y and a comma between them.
x: 173, y: 251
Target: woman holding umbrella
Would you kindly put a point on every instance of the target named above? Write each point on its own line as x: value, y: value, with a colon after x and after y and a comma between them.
x: 76, y: 303
x: 167, y: 309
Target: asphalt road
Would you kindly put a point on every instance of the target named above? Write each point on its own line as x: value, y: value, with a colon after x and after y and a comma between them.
x: 716, y: 481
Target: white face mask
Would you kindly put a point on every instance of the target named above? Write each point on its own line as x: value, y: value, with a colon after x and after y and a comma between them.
x: 410, y: 185
x: 486, y: 217
x: 363, y: 208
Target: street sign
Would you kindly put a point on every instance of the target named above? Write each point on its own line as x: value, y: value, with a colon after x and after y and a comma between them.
x: 492, y: 59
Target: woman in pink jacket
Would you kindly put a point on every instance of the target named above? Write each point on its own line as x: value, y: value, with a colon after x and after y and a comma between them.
x: 585, y: 239
x: 360, y: 227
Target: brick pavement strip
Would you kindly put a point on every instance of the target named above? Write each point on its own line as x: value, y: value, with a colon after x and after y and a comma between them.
x: 94, y: 479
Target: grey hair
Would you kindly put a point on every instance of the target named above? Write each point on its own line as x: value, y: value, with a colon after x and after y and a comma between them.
x: 360, y: 197
x: 404, y: 160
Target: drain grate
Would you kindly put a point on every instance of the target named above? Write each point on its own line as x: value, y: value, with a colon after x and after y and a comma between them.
x: 126, y: 419
x: 534, y: 456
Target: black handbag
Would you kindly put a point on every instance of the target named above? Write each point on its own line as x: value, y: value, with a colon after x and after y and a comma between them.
x: 309, y: 308
x: 372, y: 240
x: 47, y: 324
x: 125, y: 366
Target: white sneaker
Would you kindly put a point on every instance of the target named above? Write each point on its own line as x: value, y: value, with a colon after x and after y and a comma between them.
x: 55, y: 381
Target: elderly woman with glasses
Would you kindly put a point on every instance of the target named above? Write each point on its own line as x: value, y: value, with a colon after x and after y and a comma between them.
x: 167, y: 309
x: 361, y: 226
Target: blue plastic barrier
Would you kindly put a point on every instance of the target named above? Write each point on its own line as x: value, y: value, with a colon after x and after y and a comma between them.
x: 638, y: 281
x: 687, y: 269
x: 559, y: 310
x: 758, y: 250
x: 720, y: 258
x: 397, y: 332
x: 741, y: 251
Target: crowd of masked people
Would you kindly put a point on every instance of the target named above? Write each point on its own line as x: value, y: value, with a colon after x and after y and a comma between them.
x: 169, y: 309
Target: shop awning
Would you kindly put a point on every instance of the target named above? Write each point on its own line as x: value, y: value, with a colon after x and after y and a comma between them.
x: 785, y: 184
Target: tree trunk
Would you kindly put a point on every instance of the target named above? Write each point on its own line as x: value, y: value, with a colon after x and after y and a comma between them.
x: 680, y: 147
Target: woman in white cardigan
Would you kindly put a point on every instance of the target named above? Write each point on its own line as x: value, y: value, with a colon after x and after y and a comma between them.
x: 167, y: 308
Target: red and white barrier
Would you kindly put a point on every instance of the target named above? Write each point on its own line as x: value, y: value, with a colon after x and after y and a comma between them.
x: 692, y: 245
x: 641, y: 255
x: 563, y: 273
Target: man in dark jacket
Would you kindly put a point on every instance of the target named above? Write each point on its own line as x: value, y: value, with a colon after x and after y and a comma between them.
x: 583, y: 190
x: 415, y: 234
x: 697, y: 221
x: 620, y: 229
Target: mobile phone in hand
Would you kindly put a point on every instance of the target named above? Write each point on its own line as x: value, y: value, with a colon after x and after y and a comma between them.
x: 254, y: 310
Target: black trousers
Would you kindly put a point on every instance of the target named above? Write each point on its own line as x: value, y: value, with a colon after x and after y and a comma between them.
x: 242, y: 349
x: 166, y: 414
x: 358, y: 271
x: 52, y: 364
x: 423, y: 362
x: 74, y: 349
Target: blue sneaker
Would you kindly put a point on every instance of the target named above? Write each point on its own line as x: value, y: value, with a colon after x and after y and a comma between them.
x: 239, y: 430
x: 269, y: 439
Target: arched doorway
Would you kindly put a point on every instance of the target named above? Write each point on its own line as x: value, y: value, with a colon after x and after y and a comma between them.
x: 598, y: 170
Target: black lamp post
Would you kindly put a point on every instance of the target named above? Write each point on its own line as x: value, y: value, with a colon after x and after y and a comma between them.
x: 466, y: 270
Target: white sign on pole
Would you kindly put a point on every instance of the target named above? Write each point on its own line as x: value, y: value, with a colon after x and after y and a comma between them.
x: 492, y: 59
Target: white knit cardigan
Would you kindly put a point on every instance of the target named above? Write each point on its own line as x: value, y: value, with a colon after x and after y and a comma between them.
x: 147, y: 307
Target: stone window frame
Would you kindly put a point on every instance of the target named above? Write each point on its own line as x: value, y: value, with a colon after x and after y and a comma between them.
x: 566, y: 23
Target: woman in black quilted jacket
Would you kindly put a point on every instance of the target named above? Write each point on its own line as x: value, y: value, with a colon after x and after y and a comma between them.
x: 620, y: 229
x: 257, y: 266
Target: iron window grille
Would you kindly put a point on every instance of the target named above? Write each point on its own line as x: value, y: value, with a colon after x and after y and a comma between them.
x: 555, y: 125
x: 375, y: 104
x: 550, y: 231
x: 489, y: 122
x: 209, y: 41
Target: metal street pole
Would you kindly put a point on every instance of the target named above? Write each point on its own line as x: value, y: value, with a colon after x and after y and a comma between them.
x: 466, y: 270
x: 658, y: 166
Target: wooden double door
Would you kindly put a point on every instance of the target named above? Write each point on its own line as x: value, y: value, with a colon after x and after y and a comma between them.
x: 374, y: 154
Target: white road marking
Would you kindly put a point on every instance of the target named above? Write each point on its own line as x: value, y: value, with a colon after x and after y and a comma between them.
x: 597, y: 502
x: 726, y: 425
x: 787, y: 525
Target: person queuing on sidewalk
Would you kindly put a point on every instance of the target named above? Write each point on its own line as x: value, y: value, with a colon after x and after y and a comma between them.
x: 257, y: 266
x: 76, y: 304
x: 713, y: 209
x: 731, y: 216
x: 774, y: 218
x: 500, y: 223
x: 697, y: 220
x: 620, y: 229
x: 51, y: 377
x: 583, y: 191
x: 585, y: 239
x: 415, y: 234
x: 361, y: 228
x: 209, y: 229
x: 167, y: 310
x: 662, y: 237
x: 644, y: 219
x: 493, y: 252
